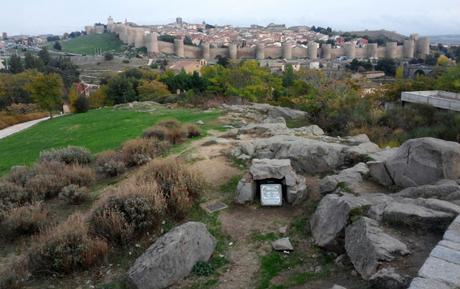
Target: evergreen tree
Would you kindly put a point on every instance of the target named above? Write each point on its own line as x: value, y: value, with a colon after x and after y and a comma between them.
x: 15, y: 65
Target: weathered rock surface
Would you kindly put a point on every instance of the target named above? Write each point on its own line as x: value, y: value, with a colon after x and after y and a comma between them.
x: 331, y: 217
x: 263, y: 169
x: 309, y: 131
x: 172, y: 257
x: 272, y: 111
x: 424, y: 283
x: 307, y: 155
x: 424, y: 161
x: 412, y: 215
x: 388, y: 278
x: 447, y: 192
x: 283, y: 244
x: 351, y: 178
x: 368, y: 245
x: 270, y: 127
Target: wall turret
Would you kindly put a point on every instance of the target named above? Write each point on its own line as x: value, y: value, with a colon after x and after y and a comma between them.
x: 390, y: 50
x: 409, y: 48
x: 233, y: 51
x: 139, y: 38
x: 152, y: 43
x: 312, y: 51
x: 260, y: 51
x: 131, y: 35
x: 179, y: 49
x: 372, y: 50
x: 423, y: 47
x: 350, y: 50
x: 287, y: 50
x: 205, y: 48
x: 326, y: 51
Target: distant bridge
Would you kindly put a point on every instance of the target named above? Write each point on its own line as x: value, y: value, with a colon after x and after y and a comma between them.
x: 435, y: 98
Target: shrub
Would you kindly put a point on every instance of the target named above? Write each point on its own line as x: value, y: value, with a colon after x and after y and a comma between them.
x: 108, y: 56
x: 179, y: 185
x: 68, y: 155
x: 170, y: 131
x: 192, y: 131
x: 110, y: 163
x: 12, y: 195
x: 129, y: 211
x: 25, y: 220
x: 202, y: 268
x: 137, y: 152
x: 74, y: 195
x: 19, y: 175
x: 82, y: 104
x: 65, y: 248
x: 51, y: 176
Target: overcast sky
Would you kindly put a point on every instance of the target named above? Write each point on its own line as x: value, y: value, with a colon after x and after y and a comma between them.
x: 427, y: 17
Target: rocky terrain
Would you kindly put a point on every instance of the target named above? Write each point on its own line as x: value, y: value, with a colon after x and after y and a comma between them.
x: 390, y: 213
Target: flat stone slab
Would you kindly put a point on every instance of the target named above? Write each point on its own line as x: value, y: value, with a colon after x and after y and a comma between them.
x: 213, y: 206
x: 446, y: 254
x: 424, y: 283
x: 441, y: 270
x: 453, y: 233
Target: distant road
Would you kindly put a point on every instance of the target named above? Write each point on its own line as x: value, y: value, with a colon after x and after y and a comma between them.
x: 20, y: 127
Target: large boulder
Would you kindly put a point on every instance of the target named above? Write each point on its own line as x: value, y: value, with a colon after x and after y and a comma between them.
x: 368, y: 246
x: 351, y: 178
x: 331, y: 217
x: 424, y: 161
x: 287, y: 113
x: 388, y: 278
x: 172, y: 257
x: 447, y: 192
x: 269, y: 127
x: 411, y: 215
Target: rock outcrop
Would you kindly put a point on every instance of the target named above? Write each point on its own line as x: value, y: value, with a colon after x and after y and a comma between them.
x: 351, y: 178
x: 172, y: 257
x: 368, y: 246
x: 271, y: 169
x: 388, y: 278
x: 419, y: 162
x: 331, y: 217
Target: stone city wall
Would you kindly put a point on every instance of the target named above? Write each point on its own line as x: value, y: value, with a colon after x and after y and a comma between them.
x: 143, y: 37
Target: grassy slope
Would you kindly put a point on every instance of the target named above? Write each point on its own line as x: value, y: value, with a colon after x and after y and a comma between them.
x: 96, y: 130
x: 88, y: 44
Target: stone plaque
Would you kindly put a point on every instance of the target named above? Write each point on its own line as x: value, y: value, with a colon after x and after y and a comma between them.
x: 271, y: 194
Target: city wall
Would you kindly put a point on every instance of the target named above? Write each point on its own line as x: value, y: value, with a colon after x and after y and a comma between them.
x: 143, y: 37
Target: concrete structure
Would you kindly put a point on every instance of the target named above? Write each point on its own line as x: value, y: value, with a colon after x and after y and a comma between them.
x: 4, y: 36
x: 139, y: 36
x: 436, y: 98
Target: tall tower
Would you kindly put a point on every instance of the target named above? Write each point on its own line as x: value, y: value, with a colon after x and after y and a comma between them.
x: 179, y: 21
x: 179, y: 49
x: 110, y: 24
x: 287, y: 50
x: 260, y: 51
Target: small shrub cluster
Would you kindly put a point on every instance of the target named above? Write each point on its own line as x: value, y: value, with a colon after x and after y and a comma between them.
x: 202, y: 268
x: 179, y: 185
x: 65, y: 248
x: 172, y: 131
x: 110, y: 163
x: 12, y: 195
x: 69, y: 155
x: 137, y: 152
x: 129, y: 211
x: 25, y: 220
x: 74, y: 195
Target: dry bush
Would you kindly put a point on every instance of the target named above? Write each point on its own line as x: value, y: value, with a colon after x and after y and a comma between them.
x: 169, y: 130
x: 179, y: 185
x: 74, y: 195
x: 127, y: 212
x: 65, y: 248
x: 25, y: 220
x: 68, y: 155
x: 14, y: 273
x: 50, y: 177
x: 192, y: 130
x: 8, y: 119
x: 137, y: 152
x: 19, y: 175
x: 110, y: 163
x: 11, y: 196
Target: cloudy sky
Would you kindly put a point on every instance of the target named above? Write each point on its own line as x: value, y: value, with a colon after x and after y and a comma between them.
x: 427, y: 17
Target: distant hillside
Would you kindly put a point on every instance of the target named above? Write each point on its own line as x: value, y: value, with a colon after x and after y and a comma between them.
x: 394, y: 36
x: 446, y: 39
x: 90, y: 44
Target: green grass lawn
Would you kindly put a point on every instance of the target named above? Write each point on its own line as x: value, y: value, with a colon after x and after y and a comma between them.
x: 88, y: 44
x: 97, y: 130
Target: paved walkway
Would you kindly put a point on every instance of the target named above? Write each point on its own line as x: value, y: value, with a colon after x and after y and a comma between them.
x: 19, y: 127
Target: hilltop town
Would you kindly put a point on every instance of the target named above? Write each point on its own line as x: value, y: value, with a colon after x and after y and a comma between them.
x: 190, y: 156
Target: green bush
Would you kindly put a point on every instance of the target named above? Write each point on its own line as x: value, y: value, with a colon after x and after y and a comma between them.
x: 68, y: 155
x: 82, y: 104
x: 203, y: 269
